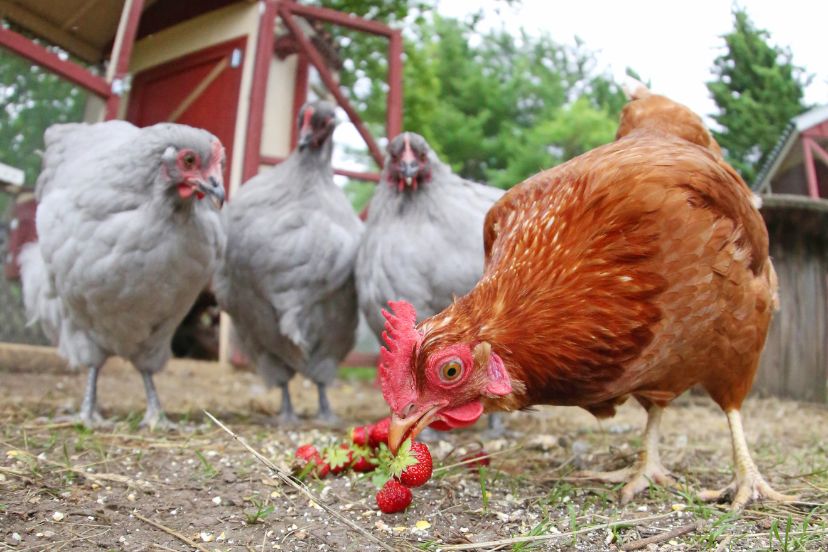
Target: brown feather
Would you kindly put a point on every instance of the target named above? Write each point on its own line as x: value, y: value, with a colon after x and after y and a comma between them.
x: 639, y: 268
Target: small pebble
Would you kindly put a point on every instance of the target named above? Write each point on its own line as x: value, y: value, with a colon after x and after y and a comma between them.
x: 216, y: 500
x: 58, y: 516
x: 207, y: 537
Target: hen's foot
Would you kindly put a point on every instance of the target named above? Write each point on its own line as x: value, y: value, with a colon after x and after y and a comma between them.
x: 744, y: 490
x: 157, y: 421
x: 89, y: 420
x: 285, y: 419
x: 327, y: 419
x: 748, y: 484
x: 496, y: 427
x: 637, y: 478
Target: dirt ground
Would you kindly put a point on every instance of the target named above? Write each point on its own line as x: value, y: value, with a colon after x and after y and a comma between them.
x: 121, y: 488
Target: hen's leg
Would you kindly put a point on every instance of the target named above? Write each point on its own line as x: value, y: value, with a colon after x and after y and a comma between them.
x: 325, y: 413
x: 647, y: 469
x: 748, y: 484
x: 154, y: 417
x: 89, y: 415
x: 286, y: 414
x: 496, y: 427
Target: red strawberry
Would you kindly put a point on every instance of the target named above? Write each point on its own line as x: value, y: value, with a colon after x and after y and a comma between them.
x: 379, y: 433
x: 359, y: 435
x: 307, y: 454
x: 322, y: 468
x: 480, y: 458
x: 363, y: 465
x: 393, y: 497
x: 338, y: 458
x: 361, y: 459
x: 417, y: 474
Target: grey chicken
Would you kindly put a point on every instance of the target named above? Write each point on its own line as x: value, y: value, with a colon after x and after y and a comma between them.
x: 423, y: 238
x: 287, y: 276
x: 125, y: 244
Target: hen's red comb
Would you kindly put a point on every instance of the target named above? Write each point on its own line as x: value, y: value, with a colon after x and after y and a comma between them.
x: 395, y: 360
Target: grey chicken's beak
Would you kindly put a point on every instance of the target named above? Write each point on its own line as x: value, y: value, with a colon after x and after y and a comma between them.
x: 214, y: 188
x: 305, y: 138
x: 409, y: 171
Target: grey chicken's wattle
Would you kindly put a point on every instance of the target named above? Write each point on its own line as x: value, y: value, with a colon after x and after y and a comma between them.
x: 121, y: 256
x: 287, y: 276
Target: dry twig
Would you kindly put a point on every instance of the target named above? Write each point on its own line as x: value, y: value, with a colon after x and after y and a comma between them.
x: 171, y: 532
x: 661, y: 537
x: 551, y: 536
x: 299, y: 486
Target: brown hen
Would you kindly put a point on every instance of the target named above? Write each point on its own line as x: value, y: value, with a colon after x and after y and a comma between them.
x: 637, y: 269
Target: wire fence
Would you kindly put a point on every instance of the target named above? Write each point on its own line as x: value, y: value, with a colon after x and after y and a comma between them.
x: 13, y: 327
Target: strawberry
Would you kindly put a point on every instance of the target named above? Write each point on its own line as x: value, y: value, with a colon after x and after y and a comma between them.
x: 306, y: 452
x: 417, y: 474
x: 379, y: 433
x: 481, y: 459
x: 361, y: 460
x: 393, y: 497
x: 338, y: 458
x: 359, y: 435
x: 310, y: 461
x: 363, y: 465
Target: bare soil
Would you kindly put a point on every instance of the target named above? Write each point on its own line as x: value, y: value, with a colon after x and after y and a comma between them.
x: 121, y: 488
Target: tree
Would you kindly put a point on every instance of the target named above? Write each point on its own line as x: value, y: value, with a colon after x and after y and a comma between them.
x: 757, y: 90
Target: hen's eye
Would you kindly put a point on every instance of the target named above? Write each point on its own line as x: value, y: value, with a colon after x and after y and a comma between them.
x: 189, y: 160
x: 451, y: 370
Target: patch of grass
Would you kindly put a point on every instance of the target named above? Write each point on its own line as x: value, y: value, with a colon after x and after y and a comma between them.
x: 208, y: 470
x: 541, y: 528
x: 252, y: 517
x: 357, y: 373
x: 561, y: 490
x: 483, y: 492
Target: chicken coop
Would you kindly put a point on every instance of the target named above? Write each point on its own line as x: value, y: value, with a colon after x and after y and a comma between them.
x: 794, y: 187
x: 238, y: 68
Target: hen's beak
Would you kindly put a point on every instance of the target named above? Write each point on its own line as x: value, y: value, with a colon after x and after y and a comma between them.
x: 409, y: 171
x: 410, y: 426
x: 305, y: 137
x: 212, y: 187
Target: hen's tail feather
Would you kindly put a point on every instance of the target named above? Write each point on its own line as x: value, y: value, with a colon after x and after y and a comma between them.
x: 39, y: 298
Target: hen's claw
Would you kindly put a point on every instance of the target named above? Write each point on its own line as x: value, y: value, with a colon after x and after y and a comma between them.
x: 637, y: 478
x: 752, y: 488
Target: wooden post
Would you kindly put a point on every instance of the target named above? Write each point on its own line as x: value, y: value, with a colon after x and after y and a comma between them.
x: 121, y: 54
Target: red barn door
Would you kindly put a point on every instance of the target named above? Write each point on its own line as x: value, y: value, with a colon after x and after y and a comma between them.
x: 200, y: 89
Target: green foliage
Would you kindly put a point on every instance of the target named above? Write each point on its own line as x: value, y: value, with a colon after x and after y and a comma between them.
x: 31, y: 99
x: 487, y: 102
x: 757, y: 90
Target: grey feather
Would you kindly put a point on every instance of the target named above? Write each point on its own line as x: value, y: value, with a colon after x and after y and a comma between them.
x: 287, y: 276
x: 119, y: 253
x: 422, y: 245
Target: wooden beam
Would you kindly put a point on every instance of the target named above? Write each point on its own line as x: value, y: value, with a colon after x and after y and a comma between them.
x: 300, y: 95
x: 258, y: 91
x: 338, y: 18
x: 327, y: 78
x: 810, y: 168
x: 68, y: 70
x: 121, y: 54
x: 32, y: 22
x: 393, y: 125
x: 357, y: 175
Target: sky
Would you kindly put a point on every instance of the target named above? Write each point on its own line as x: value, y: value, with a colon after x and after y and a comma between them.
x: 669, y: 43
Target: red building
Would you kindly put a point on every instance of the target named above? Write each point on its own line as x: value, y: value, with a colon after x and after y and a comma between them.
x: 238, y: 68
